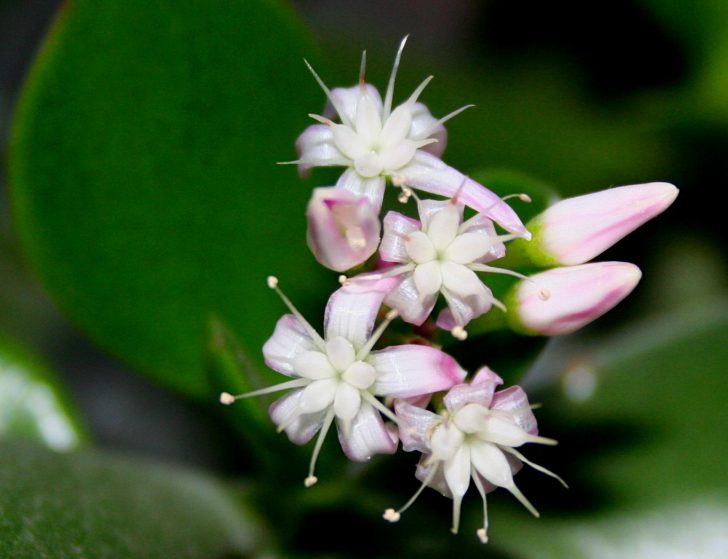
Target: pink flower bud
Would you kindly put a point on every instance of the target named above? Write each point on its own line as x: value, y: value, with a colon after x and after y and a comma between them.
x: 343, y: 229
x: 575, y: 230
x: 562, y: 300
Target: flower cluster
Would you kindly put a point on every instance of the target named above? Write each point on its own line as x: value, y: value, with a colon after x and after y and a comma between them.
x: 432, y: 267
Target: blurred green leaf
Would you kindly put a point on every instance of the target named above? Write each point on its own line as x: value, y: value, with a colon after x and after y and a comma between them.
x: 144, y: 183
x: 93, y: 505
x: 33, y: 405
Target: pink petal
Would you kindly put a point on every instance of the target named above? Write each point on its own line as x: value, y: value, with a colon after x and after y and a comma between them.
x: 352, y: 309
x: 347, y: 99
x: 438, y: 482
x: 427, y: 172
x: 415, y: 426
x: 422, y: 121
x: 288, y: 341
x: 302, y: 429
x: 410, y: 370
x: 515, y: 402
x: 406, y: 299
x: 368, y: 436
x: 577, y: 229
x: 343, y: 229
x: 562, y: 300
x: 396, y: 229
x: 479, y: 391
x: 370, y: 188
x: 316, y: 144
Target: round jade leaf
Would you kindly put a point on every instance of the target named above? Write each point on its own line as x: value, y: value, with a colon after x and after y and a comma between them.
x: 144, y: 181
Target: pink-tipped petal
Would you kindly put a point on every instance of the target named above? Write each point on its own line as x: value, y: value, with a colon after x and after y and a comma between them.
x: 576, y: 230
x: 343, y: 229
x: 352, y: 309
x: 411, y: 370
x: 428, y: 173
x: 396, y: 229
x: 315, y: 148
x: 422, y: 122
x: 562, y: 300
x: 347, y: 99
x: 370, y: 188
x: 289, y: 340
x: 479, y: 391
x: 367, y: 436
x: 406, y: 299
x: 515, y: 401
x: 304, y: 427
x: 415, y: 425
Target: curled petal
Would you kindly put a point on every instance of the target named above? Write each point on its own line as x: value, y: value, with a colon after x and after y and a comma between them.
x: 576, y: 230
x: 562, y: 300
x: 367, y: 435
x: 396, y: 229
x: 352, y: 309
x: 514, y: 401
x: 370, y: 188
x: 428, y: 173
x: 415, y: 425
x: 304, y: 427
x: 422, y: 122
x: 479, y: 391
x: 411, y: 370
x: 347, y: 99
x: 406, y: 299
x: 289, y: 340
x: 315, y: 147
x: 343, y: 229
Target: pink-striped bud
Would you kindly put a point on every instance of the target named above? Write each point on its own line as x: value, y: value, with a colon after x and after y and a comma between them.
x: 343, y: 228
x: 575, y: 230
x: 562, y: 300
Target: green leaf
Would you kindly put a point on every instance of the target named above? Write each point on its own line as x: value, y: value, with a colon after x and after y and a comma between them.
x: 94, y: 505
x: 143, y: 174
x: 33, y: 405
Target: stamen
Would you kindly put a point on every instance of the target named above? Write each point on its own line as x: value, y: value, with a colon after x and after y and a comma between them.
x: 363, y: 69
x: 392, y: 515
x: 381, y: 408
x: 427, y: 131
x: 374, y: 338
x: 523, y: 197
x: 322, y: 119
x: 398, y: 180
x: 327, y: 91
x: 388, y: 273
x: 317, y: 339
x: 318, y: 162
x: 459, y: 333
x: 343, y: 280
x: 422, y: 143
x: 454, y: 198
x: 522, y: 499
x: 544, y: 294
x: 478, y: 267
x: 536, y: 467
x: 482, y: 532
x: 227, y: 398
x: 312, y: 479
x: 392, y: 78
x: 418, y: 91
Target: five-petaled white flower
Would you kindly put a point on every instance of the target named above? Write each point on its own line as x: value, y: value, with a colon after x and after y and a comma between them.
x: 473, y: 438
x: 375, y: 141
x: 339, y: 376
x: 440, y: 254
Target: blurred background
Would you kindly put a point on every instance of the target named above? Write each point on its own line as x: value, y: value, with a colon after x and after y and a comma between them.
x: 575, y: 97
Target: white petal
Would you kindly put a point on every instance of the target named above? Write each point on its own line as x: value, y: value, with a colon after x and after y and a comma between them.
x: 396, y: 127
x: 443, y: 226
x: 422, y: 120
x: 467, y: 248
x: 419, y: 248
x: 318, y: 395
x: 316, y: 147
x: 457, y: 471
x: 397, y: 155
x: 341, y: 352
x: 428, y: 279
x: 515, y: 401
x: 428, y: 208
x: 466, y: 296
x: 491, y: 463
x: 504, y: 431
x: 397, y: 228
x: 347, y: 99
x: 479, y: 391
x: 368, y: 119
x: 304, y: 427
x: 481, y: 225
x: 346, y: 401
x: 360, y: 375
x: 406, y: 299
x: 348, y: 142
x: 313, y: 365
x: 445, y: 442
x: 352, y: 309
x: 428, y: 173
x: 289, y: 340
x: 471, y: 418
x: 367, y: 436
x: 372, y: 188
x: 409, y: 370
